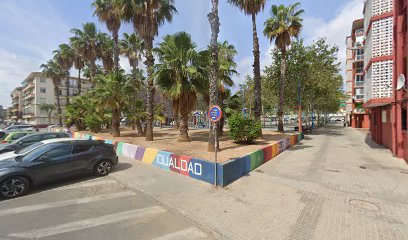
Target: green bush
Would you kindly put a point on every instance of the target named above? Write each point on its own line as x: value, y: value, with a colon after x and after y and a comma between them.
x: 93, y: 123
x: 243, y: 130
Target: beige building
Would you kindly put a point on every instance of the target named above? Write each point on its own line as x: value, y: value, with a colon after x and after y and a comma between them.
x: 37, y: 90
x: 16, y: 102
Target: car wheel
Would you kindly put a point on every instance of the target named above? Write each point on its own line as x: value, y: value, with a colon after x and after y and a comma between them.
x: 14, y: 187
x: 103, y: 168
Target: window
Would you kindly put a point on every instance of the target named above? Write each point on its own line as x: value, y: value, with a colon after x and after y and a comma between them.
x: 404, y: 119
x: 78, y: 148
x: 18, y: 135
x: 43, y: 90
x: 42, y: 80
x: 50, y: 136
x: 58, y: 152
x: 30, y: 139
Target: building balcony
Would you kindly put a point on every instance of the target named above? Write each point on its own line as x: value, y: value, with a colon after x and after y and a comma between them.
x: 359, y: 97
x: 359, y: 84
x: 28, y: 96
x: 359, y: 110
x: 359, y: 70
x: 28, y: 114
x: 28, y: 86
x: 359, y: 58
x: 14, y: 110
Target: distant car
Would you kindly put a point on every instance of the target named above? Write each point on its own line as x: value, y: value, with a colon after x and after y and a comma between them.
x: 3, y: 135
x: 24, y: 127
x: 12, y: 136
x: 54, y: 160
x: 29, y: 140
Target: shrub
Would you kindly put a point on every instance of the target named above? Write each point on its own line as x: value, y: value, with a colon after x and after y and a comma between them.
x: 243, y: 130
x: 93, y: 123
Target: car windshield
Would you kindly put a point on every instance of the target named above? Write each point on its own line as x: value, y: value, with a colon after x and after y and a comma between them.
x: 29, y: 148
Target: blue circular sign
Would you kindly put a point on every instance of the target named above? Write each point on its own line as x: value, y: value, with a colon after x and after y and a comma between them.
x: 215, y: 113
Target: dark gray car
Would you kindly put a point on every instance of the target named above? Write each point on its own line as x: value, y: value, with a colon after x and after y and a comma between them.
x: 29, y: 140
x: 54, y: 161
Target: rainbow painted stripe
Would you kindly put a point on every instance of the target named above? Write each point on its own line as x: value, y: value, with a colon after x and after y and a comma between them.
x: 200, y: 169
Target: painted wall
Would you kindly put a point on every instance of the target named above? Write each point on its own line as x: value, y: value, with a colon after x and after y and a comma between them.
x: 199, y: 169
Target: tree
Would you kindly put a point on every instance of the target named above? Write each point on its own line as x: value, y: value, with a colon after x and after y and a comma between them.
x: 105, y: 52
x: 85, y: 42
x: 132, y: 47
x: 52, y: 70
x: 180, y: 75
x: 214, y: 20
x: 253, y: 7
x: 79, y: 65
x: 134, y: 109
x: 110, y: 91
x: 48, y: 108
x: 284, y: 24
x: 65, y: 56
x: 109, y: 12
x: 147, y: 16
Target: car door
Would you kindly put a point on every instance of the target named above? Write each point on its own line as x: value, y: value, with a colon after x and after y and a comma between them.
x: 82, y: 156
x: 54, y: 164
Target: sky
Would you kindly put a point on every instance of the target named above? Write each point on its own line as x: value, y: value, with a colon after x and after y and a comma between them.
x: 31, y: 30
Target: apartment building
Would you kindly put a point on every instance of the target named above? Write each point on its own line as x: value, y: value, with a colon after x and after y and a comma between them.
x: 356, y: 113
x: 16, y: 104
x: 385, y: 27
x: 37, y: 90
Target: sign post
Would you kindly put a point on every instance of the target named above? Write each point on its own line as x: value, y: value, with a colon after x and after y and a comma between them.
x: 215, y: 114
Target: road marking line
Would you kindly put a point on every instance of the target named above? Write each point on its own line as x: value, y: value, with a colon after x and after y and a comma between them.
x: 86, y: 184
x: 32, y: 208
x: 188, y: 233
x: 88, y: 223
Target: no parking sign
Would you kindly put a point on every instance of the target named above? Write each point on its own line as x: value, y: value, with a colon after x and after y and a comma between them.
x: 214, y: 113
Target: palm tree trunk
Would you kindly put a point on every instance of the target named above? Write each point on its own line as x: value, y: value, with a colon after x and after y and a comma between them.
x: 183, y: 137
x: 57, y: 95
x: 116, y: 49
x: 150, y: 90
x: 257, y: 72
x: 139, y: 128
x: 115, y: 123
x: 282, y: 91
x: 215, y: 29
x: 92, y: 73
x: 79, y: 81
x: 176, y: 108
x: 67, y: 90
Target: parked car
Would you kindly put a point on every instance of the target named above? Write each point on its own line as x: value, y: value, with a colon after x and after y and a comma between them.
x: 12, y: 136
x: 53, y: 160
x: 29, y: 140
x: 3, y: 135
x: 23, y: 127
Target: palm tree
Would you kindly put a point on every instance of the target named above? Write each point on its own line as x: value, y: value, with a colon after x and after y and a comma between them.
x: 79, y: 65
x: 132, y: 47
x: 105, y: 51
x: 109, y: 12
x: 285, y: 24
x: 85, y: 42
x: 253, y: 7
x: 52, y: 70
x: 214, y: 20
x: 65, y: 56
x: 180, y: 75
x: 147, y: 16
x: 110, y: 91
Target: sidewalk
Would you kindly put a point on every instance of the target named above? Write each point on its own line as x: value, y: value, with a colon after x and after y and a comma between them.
x: 331, y: 186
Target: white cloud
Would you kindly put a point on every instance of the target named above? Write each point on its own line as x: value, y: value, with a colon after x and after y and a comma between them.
x: 335, y: 30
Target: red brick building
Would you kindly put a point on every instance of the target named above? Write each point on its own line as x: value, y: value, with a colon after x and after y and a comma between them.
x: 385, y: 24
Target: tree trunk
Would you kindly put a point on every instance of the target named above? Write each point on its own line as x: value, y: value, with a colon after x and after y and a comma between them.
x: 215, y: 29
x: 150, y: 90
x: 183, y: 137
x: 176, y: 109
x: 116, y: 49
x: 115, y: 123
x: 139, y: 127
x: 282, y: 91
x: 57, y: 95
x: 49, y: 118
x: 79, y: 81
x: 92, y: 73
x: 67, y: 90
x: 133, y: 124
x: 257, y: 72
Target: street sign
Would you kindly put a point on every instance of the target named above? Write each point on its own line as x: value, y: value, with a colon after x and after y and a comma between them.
x: 215, y: 113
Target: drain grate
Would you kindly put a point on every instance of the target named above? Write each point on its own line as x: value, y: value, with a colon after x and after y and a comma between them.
x: 362, y: 167
x: 364, y: 204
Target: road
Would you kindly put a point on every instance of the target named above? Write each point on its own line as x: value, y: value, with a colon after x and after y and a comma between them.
x: 336, y: 184
x: 91, y: 209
